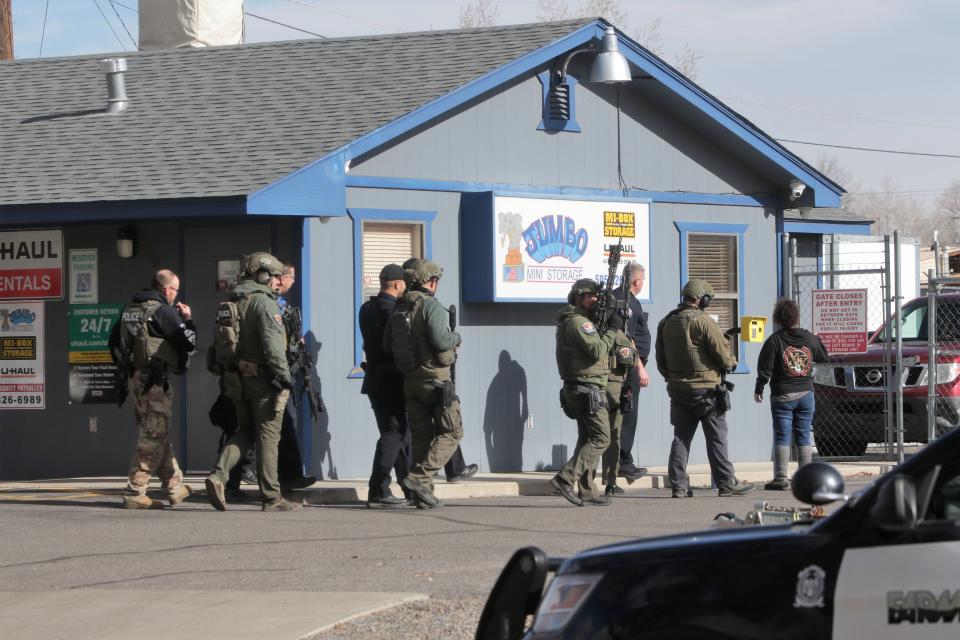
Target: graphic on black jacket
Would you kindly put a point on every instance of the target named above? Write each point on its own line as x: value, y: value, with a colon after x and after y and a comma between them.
x: 797, y: 363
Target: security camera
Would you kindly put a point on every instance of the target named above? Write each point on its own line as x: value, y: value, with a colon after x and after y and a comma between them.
x: 796, y: 189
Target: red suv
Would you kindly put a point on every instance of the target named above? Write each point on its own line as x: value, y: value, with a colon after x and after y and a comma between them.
x: 850, y: 388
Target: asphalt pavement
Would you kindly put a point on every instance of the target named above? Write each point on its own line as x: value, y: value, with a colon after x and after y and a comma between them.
x: 73, y: 564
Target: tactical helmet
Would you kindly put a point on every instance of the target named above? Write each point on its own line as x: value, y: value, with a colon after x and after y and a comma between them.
x: 262, y: 261
x: 695, y: 289
x: 584, y: 285
x: 418, y: 271
x: 817, y: 478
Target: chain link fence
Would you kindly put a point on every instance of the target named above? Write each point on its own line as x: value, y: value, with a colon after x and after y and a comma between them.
x: 905, y: 389
x: 937, y: 323
x: 853, y: 402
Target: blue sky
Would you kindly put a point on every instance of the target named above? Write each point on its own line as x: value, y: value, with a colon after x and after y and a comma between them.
x: 866, y: 73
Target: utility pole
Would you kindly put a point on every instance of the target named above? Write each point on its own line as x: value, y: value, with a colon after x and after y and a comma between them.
x: 6, y: 29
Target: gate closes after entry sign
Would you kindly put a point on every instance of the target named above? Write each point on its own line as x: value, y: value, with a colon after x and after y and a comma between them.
x: 840, y: 319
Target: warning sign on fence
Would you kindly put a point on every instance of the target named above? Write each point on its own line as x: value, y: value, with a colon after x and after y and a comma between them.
x: 840, y: 319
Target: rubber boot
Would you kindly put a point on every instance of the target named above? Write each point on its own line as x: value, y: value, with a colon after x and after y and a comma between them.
x: 781, y: 458
x: 804, y: 455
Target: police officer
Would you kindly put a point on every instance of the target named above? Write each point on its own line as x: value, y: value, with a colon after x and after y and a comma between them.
x: 289, y: 461
x: 265, y: 381
x: 637, y: 330
x: 692, y: 355
x: 424, y: 348
x: 456, y: 469
x: 160, y: 332
x: 623, y: 357
x: 383, y: 385
x: 583, y: 361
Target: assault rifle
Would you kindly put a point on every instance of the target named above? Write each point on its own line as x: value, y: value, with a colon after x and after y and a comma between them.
x: 299, y: 355
x: 605, y: 299
x: 452, y: 310
x: 626, y: 391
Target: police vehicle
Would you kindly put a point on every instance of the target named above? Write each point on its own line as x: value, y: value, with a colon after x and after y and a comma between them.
x: 886, y: 564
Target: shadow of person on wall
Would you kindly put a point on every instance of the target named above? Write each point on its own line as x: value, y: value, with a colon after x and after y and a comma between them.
x: 505, y: 415
x: 316, y: 437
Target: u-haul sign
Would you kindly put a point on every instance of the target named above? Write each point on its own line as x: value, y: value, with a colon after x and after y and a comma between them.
x: 31, y: 264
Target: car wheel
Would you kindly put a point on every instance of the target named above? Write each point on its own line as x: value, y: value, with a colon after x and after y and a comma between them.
x: 833, y: 447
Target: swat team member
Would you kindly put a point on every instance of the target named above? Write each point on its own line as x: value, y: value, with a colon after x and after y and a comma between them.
x: 583, y: 362
x: 637, y: 330
x: 265, y: 383
x: 456, y: 469
x: 424, y: 347
x: 160, y: 336
x: 623, y: 357
x: 383, y: 385
x: 289, y: 461
x: 692, y: 356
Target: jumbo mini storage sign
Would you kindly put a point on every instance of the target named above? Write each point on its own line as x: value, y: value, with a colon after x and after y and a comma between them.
x: 31, y: 264
x: 532, y: 249
x: 22, y: 382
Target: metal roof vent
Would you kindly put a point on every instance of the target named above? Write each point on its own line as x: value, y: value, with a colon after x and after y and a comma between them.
x: 116, y: 87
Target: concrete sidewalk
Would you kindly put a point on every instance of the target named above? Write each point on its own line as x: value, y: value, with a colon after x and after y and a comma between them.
x: 483, y: 485
x: 119, y: 614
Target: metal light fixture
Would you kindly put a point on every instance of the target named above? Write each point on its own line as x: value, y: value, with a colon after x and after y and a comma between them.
x: 126, y: 239
x: 609, y: 67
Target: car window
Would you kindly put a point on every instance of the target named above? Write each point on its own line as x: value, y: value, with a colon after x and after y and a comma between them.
x: 915, y: 326
x: 945, y: 502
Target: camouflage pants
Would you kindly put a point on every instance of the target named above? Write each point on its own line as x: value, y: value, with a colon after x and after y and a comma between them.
x: 611, y: 457
x: 259, y: 421
x: 154, y: 453
x: 436, y: 431
x: 593, y: 439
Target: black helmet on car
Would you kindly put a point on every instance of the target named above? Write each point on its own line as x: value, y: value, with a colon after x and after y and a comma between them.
x: 817, y: 483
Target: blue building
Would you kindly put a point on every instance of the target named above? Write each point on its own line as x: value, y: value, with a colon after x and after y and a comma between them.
x: 488, y: 150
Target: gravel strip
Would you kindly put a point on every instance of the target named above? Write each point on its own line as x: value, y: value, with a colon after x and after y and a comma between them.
x: 450, y: 619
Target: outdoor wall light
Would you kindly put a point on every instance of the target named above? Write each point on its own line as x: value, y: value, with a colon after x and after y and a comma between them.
x: 796, y: 189
x: 126, y: 241
x: 609, y: 67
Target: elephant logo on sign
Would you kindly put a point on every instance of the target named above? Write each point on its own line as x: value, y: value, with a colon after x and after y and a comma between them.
x: 510, y: 228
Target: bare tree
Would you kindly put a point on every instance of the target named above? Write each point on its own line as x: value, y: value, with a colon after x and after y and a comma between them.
x: 479, y: 13
x: 948, y: 213
x: 649, y: 34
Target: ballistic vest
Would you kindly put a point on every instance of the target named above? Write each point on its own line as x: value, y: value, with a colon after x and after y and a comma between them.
x: 573, y: 364
x: 135, y: 321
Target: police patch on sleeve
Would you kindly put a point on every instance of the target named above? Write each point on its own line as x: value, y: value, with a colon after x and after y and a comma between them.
x: 278, y: 320
x: 588, y: 328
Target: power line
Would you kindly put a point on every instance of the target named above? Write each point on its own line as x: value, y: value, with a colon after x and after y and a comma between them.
x: 114, y: 7
x: 844, y: 115
x: 112, y: 30
x: 893, y: 151
x: 43, y: 30
x: 253, y: 15
x: 342, y: 15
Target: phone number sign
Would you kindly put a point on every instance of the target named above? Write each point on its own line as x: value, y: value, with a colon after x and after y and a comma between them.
x: 840, y: 319
x: 22, y: 379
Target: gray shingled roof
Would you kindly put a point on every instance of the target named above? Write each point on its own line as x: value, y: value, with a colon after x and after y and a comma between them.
x: 225, y: 121
x: 825, y: 215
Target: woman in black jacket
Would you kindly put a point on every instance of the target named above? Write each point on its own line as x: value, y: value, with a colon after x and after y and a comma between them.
x: 786, y: 362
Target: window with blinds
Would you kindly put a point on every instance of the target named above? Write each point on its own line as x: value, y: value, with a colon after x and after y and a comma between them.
x: 713, y: 257
x: 383, y: 243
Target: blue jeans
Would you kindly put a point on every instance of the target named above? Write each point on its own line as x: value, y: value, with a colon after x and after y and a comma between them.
x: 793, y: 420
